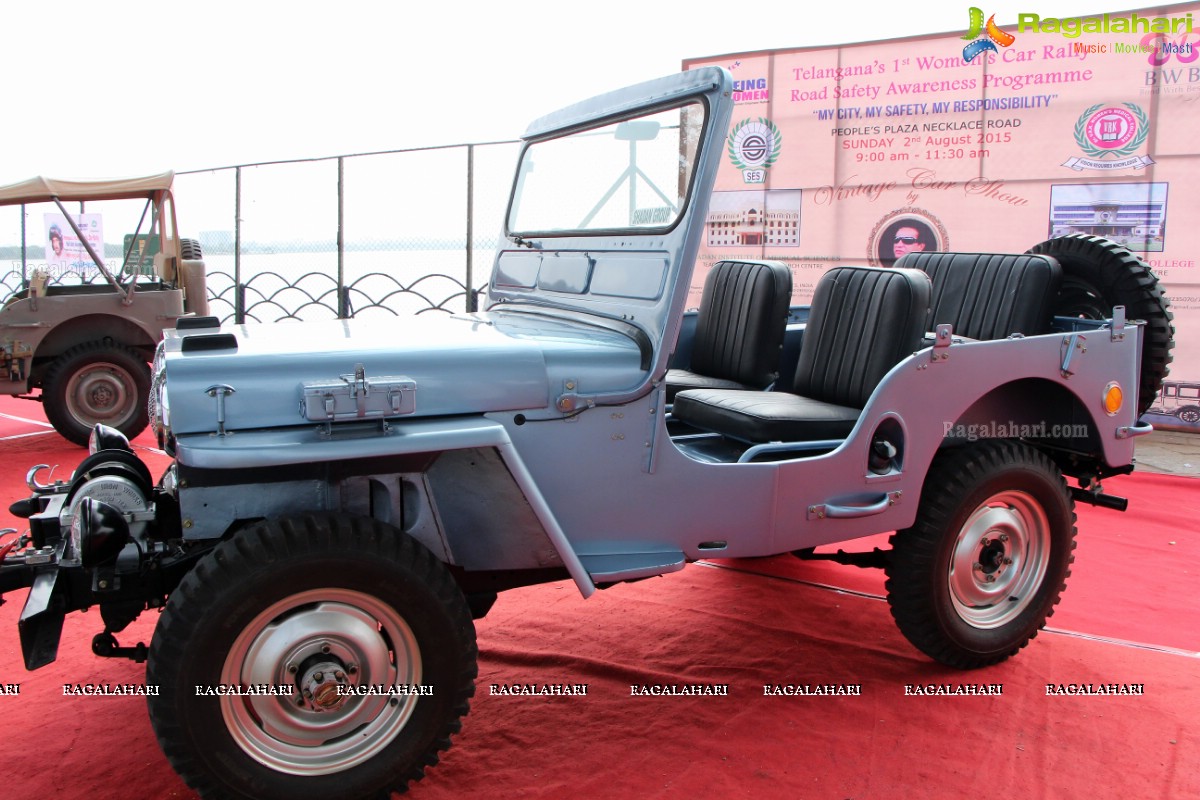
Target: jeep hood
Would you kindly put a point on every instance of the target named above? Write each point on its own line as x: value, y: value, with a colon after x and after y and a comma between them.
x: 462, y: 364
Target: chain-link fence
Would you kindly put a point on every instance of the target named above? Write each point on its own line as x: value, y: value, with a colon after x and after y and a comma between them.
x: 391, y: 233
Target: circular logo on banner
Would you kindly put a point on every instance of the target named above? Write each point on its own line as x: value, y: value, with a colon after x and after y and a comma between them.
x: 754, y: 144
x: 1110, y: 128
x: 1104, y: 131
x: 903, y: 231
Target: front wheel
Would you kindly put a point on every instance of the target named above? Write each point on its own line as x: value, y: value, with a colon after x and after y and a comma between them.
x: 978, y: 573
x: 1189, y: 413
x: 356, y: 639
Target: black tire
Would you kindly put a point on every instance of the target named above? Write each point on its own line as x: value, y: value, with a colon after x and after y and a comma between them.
x: 1099, y: 274
x: 1189, y: 414
x: 97, y: 382
x: 952, y: 595
x: 189, y: 250
x: 395, y: 609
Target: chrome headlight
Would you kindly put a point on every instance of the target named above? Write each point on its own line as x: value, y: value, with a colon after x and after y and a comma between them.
x: 159, y: 405
x: 104, y: 437
x: 162, y: 427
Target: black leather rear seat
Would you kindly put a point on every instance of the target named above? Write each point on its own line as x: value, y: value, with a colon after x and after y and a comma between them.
x: 863, y: 321
x: 739, y: 331
x: 987, y: 296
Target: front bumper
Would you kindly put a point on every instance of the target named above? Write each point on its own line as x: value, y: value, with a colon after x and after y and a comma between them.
x: 41, y: 570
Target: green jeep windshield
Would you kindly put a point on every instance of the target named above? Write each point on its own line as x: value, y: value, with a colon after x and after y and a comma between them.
x: 628, y: 175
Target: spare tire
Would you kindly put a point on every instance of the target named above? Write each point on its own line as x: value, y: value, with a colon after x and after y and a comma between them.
x: 1099, y: 274
x: 189, y: 250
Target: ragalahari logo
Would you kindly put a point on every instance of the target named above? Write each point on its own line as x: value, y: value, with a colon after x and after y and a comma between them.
x: 991, y: 32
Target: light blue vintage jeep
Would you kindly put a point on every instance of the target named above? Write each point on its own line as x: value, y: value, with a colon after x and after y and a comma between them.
x: 346, y: 497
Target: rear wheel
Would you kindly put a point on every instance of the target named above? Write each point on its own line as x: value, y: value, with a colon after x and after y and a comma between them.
x: 1189, y: 413
x: 328, y: 609
x: 978, y: 573
x: 97, y: 382
x: 1099, y: 274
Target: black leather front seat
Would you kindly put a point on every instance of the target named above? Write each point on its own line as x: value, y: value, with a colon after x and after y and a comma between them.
x: 863, y: 321
x: 739, y: 331
x: 985, y: 296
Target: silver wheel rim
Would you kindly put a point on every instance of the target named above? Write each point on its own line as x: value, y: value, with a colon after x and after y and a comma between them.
x: 101, y: 392
x: 307, y: 635
x: 999, y: 559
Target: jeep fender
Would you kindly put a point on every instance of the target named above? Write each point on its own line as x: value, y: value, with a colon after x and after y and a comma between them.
x: 444, y: 451
x: 992, y: 384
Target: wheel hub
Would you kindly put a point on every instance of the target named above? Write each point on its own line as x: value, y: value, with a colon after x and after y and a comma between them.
x: 993, y: 557
x: 322, y: 686
x: 999, y: 560
x: 321, y: 643
x: 100, y: 394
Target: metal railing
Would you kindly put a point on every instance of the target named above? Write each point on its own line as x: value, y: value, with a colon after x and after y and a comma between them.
x: 391, y: 232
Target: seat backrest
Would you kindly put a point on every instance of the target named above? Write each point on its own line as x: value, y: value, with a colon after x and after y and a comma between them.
x: 863, y: 321
x: 743, y: 315
x: 987, y: 296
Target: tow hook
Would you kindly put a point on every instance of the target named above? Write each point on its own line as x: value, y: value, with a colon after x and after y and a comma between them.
x: 42, y: 488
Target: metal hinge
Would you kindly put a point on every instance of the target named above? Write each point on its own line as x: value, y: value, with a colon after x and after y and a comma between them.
x: 1117, y: 334
x: 1076, y: 341
x: 942, y: 339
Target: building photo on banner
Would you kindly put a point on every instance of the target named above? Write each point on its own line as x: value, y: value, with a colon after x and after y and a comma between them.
x: 993, y: 140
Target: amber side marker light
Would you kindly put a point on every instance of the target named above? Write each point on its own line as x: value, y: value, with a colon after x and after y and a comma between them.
x: 1113, y: 398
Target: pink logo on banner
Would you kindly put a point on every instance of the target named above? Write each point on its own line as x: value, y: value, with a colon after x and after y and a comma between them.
x: 1109, y: 136
x: 1111, y: 128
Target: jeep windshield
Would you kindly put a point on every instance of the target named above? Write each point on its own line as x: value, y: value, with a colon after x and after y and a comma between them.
x: 633, y: 174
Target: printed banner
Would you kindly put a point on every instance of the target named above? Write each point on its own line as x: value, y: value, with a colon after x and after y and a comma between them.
x: 64, y: 250
x: 991, y: 139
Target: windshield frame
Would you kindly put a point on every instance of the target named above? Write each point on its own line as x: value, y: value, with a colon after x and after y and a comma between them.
x: 681, y: 214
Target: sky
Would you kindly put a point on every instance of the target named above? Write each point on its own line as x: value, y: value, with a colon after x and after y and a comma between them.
x: 125, y: 88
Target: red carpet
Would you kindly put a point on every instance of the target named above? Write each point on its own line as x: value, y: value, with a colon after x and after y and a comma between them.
x: 742, y: 623
x: 1133, y: 575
